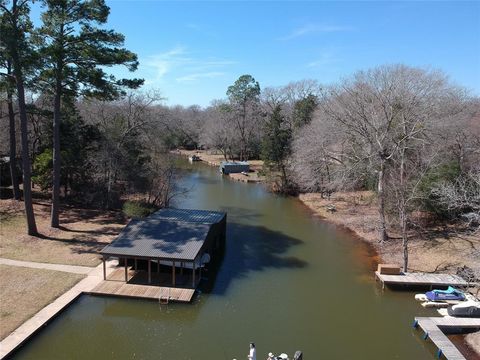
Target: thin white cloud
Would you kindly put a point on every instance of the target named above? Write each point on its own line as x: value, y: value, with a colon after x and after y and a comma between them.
x: 164, y: 62
x: 197, y: 76
x: 326, y: 58
x: 181, y: 64
x: 315, y: 28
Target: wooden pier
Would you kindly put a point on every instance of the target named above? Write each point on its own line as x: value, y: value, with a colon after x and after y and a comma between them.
x: 152, y: 292
x: 432, y: 327
x: 421, y: 279
x: 137, y: 287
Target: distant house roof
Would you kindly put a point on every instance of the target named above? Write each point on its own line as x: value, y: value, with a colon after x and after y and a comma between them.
x: 173, y: 234
x: 234, y: 163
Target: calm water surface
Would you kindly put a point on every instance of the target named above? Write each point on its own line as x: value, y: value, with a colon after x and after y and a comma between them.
x: 288, y: 281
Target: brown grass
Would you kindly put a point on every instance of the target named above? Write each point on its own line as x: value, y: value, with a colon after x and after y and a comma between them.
x: 437, y: 247
x: 25, y: 291
x: 82, y: 234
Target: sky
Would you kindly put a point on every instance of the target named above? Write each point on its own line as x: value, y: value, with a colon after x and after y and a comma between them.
x: 191, y: 51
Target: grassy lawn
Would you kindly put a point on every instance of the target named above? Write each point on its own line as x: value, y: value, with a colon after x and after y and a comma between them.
x: 82, y: 234
x: 25, y: 291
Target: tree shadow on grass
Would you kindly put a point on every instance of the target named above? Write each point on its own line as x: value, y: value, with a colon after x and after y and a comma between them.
x: 71, y: 215
x: 82, y: 242
x: 250, y: 249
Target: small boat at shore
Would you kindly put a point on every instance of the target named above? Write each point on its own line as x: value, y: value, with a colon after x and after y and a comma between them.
x: 468, y: 308
x: 445, y: 295
x: 194, y: 158
x: 441, y: 298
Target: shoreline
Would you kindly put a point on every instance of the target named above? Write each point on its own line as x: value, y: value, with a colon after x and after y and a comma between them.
x: 356, y: 214
x: 253, y: 176
x: 436, y: 249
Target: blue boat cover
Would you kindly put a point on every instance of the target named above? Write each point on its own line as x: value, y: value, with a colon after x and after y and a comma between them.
x: 449, y: 294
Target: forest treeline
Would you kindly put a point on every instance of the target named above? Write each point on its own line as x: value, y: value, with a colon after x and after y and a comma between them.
x: 409, y: 134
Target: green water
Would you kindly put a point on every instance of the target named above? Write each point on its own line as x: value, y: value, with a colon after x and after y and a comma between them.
x: 288, y: 281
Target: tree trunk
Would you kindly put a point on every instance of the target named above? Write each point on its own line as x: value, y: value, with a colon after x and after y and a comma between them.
x: 13, y: 146
x: 382, y: 231
x: 56, y: 152
x: 403, y: 220
x: 27, y: 190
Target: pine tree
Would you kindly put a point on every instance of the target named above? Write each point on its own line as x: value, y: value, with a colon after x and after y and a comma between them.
x: 75, y: 52
x: 15, y: 45
x: 276, y: 145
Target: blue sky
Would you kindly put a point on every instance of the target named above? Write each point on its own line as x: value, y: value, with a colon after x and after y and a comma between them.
x: 192, y: 51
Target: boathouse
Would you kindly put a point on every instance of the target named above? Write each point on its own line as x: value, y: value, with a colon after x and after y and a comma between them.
x: 182, y: 239
x: 230, y: 167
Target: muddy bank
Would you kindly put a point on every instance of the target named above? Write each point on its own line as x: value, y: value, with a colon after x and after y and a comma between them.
x: 439, y: 249
x: 434, y: 250
x: 468, y: 345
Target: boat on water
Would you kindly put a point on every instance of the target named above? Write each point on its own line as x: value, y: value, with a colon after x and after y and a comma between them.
x: 194, y: 158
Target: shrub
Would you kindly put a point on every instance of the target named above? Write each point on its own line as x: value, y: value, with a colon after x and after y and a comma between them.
x: 138, y: 209
x: 444, y: 174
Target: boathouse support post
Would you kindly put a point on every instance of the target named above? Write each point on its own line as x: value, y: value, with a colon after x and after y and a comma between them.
x: 193, y: 274
x: 136, y: 267
x: 104, y: 268
x: 173, y: 273
x: 158, y: 265
x: 149, y: 271
x: 126, y: 270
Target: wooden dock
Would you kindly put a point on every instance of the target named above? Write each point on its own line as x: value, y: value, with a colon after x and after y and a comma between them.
x: 432, y: 327
x: 152, y: 292
x: 421, y: 279
x: 137, y: 287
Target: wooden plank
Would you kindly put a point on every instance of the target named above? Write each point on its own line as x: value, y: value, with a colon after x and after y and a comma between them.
x: 433, y: 325
x: 422, y: 279
x: 142, y: 291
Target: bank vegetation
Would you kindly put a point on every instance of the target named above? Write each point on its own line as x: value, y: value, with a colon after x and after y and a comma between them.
x: 409, y: 136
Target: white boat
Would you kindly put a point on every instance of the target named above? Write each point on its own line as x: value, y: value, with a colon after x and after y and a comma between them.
x: 194, y: 158
x: 468, y: 308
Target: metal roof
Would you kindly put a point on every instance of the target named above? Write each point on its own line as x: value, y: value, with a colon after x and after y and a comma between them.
x: 234, y: 163
x: 159, y: 239
x: 174, y: 234
x: 189, y: 215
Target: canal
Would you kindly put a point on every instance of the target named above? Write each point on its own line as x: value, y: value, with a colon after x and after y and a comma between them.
x: 288, y: 281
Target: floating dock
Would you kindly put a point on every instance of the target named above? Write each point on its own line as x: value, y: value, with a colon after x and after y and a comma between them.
x: 421, y: 279
x: 432, y: 327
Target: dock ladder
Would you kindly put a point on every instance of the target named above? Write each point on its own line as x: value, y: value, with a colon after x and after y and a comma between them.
x: 163, y: 299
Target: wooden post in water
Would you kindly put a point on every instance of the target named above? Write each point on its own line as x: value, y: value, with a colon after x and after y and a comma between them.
x: 193, y: 274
